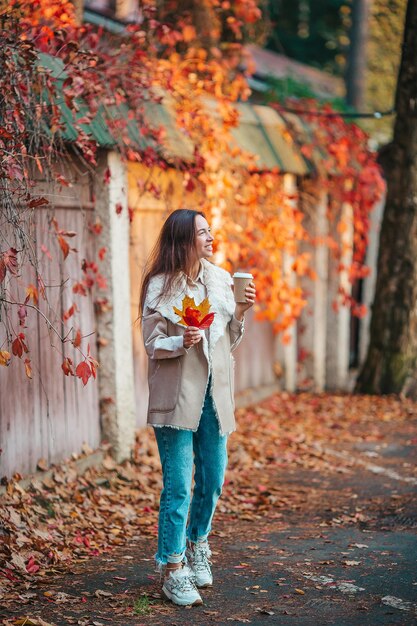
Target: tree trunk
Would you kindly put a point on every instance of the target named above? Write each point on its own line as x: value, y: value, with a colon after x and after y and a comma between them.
x: 79, y: 11
x: 390, y: 366
x: 355, y: 73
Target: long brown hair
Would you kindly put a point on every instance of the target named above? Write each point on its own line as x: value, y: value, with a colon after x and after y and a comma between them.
x: 172, y: 253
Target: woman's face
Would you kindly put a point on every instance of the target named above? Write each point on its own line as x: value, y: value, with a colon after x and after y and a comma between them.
x: 203, y: 238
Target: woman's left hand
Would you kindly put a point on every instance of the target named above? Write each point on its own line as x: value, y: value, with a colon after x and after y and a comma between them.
x: 241, y: 307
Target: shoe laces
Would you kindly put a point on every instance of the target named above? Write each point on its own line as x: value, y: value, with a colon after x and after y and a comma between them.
x: 183, y: 579
x: 201, y: 557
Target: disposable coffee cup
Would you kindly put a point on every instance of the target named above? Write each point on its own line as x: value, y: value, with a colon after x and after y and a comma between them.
x: 241, y: 280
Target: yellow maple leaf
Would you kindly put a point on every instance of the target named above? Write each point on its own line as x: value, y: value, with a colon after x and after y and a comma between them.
x: 204, y: 307
x: 4, y: 357
x: 193, y: 314
x: 186, y: 303
x: 32, y: 292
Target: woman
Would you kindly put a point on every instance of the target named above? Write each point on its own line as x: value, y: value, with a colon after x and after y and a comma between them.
x: 190, y: 394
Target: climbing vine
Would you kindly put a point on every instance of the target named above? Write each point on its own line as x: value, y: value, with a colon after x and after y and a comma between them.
x: 192, y: 56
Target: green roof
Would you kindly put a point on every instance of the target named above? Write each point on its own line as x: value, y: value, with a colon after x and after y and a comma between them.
x: 98, y: 129
x: 175, y: 144
x: 261, y: 131
x: 264, y: 134
x: 108, y: 23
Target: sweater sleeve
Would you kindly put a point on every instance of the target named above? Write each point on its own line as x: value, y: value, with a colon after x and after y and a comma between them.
x: 236, y: 330
x: 158, y: 344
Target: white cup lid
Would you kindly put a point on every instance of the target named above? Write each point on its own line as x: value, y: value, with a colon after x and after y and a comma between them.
x: 242, y: 275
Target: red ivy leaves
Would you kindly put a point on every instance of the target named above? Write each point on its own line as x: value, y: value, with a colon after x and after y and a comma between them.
x: 19, y: 348
x: 19, y: 345
x: 95, y: 227
x: 36, y: 202
x: 101, y: 282
x: 107, y: 176
x: 64, y: 245
x: 67, y: 367
x: 83, y: 371
x: 80, y: 288
x: 87, y: 368
x: 92, y: 275
x: 70, y: 312
x: 62, y: 181
x: 8, y: 261
x: 77, y: 340
x: 61, y: 236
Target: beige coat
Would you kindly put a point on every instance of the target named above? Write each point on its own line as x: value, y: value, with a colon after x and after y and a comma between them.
x: 178, y: 379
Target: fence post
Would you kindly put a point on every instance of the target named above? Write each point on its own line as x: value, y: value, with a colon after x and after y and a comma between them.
x: 320, y: 294
x: 338, y: 332
x: 290, y: 348
x: 369, y: 281
x: 116, y: 387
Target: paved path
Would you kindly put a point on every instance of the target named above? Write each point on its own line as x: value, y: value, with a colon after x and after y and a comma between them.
x: 344, y: 555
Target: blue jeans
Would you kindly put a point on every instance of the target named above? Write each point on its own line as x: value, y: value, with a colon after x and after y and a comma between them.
x: 176, y: 450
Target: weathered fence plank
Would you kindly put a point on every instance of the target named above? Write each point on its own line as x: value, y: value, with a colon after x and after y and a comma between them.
x: 50, y: 416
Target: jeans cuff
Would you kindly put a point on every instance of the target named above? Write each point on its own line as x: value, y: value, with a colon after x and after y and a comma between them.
x: 200, y: 539
x: 172, y: 558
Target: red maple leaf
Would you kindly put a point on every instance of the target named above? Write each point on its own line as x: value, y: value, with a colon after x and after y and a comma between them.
x: 67, y: 367
x: 10, y: 260
x: 193, y: 317
x: 83, y: 371
x: 193, y: 314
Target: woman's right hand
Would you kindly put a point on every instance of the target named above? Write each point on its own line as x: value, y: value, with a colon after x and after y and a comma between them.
x: 191, y: 336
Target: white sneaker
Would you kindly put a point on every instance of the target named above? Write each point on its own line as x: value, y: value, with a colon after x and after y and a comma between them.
x: 179, y: 587
x: 198, y: 556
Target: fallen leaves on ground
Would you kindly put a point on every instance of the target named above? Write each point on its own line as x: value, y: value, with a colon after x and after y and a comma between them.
x: 27, y: 621
x: 284, y: 432
x: 70, y: 517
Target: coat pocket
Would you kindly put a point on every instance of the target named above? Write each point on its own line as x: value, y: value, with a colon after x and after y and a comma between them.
x: 164, y: 385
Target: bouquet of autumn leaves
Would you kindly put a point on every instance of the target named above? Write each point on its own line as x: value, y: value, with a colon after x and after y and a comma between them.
x: 193, y: 314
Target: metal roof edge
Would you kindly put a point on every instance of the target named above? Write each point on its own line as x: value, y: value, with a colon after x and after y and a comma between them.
x: 98, y: 19
x: 176, y: 146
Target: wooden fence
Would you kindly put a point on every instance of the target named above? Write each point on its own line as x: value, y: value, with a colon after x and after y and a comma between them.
x: 50, y: 416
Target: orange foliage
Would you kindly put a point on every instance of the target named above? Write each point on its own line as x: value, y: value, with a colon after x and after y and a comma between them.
x: 258, y: 225
x: 350, y: 175
x: 40, y: 14
x: 43, y: 20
